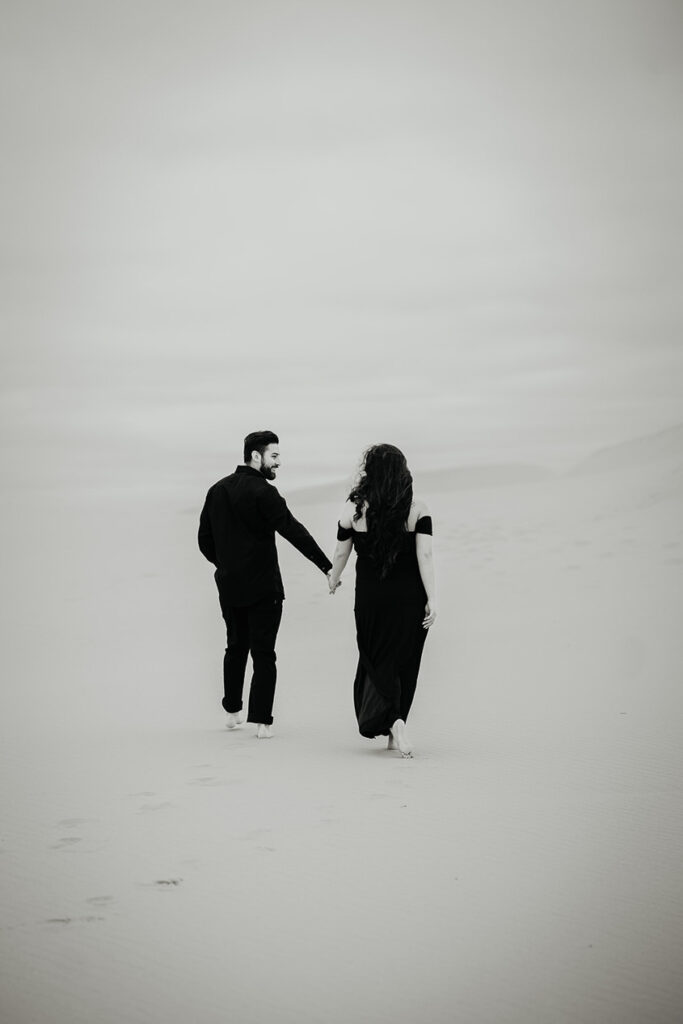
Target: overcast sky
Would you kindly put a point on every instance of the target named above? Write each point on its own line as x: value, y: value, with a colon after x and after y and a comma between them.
x: 454, y: 226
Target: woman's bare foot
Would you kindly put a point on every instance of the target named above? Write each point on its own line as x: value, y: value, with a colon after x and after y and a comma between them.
x: 391, y: 743
x: 398, y: 733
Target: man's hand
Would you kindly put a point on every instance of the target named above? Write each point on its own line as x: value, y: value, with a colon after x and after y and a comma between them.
x: 332, y: 583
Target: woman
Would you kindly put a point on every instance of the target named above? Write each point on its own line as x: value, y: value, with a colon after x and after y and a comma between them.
x: 395, y: 596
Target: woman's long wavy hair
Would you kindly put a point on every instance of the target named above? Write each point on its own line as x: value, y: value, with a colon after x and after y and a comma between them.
x: 385, y: 490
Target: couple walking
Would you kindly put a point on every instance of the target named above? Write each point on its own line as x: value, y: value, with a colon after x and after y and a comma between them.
x: 390, y: 531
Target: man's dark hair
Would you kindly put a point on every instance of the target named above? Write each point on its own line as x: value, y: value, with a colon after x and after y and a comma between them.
x: 258, y: 441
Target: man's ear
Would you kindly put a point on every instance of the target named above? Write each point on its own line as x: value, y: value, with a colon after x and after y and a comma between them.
x: 255, y: 456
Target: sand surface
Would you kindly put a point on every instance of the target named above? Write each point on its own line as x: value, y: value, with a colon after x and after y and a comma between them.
x: 524, y: 867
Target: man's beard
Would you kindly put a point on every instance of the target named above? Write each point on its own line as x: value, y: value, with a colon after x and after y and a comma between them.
x: 267, y: 472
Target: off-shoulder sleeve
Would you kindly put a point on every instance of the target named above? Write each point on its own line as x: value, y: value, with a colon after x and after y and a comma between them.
x: 343, y: 532
x: 424, y: 525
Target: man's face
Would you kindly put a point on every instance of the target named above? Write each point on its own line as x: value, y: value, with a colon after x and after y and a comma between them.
x: 270, y: 462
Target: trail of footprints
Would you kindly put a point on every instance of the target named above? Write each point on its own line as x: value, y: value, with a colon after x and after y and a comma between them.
x: 148, y: 803
x: 69, y: 841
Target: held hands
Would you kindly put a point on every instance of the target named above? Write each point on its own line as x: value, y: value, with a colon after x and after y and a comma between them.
x: 430, y: 614
x: 332, y: 583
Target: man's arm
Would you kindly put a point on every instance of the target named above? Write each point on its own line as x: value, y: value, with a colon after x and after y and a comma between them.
x: 205, y: 535
x: 279, y: 517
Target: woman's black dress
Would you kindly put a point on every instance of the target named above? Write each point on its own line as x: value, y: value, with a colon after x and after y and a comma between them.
x: 389, y: 630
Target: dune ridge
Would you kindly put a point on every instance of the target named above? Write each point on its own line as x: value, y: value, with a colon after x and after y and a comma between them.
x: 661, y: 446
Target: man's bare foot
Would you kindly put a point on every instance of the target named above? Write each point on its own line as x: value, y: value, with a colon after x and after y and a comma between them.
x: 235, y: 719
x: 398, y: 733
x: 264, y: 732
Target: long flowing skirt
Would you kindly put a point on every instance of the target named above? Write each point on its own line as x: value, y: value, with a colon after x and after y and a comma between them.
x: 390, y: 639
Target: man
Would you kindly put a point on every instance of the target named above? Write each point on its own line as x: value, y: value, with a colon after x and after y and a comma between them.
x: 237, y: 534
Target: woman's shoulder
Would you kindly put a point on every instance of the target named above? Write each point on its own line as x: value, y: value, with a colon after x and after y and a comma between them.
x: 419, y: 507
x: 347, y: 514
x: 418, y: 510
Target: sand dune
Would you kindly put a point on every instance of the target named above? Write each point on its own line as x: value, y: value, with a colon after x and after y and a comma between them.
x: 523, y: 867
x: 663, y: 446
x: 449, y: 478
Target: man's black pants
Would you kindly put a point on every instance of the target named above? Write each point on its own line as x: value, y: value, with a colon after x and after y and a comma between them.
x: 252, y: 629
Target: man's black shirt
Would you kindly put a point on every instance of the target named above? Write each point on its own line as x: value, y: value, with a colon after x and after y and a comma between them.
x: 237, y: 534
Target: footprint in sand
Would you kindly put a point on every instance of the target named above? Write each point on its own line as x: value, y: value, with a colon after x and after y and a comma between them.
x: 147, y: 808
x: 65, y: 842
x: 99, y: 901
x: 327, y: 815
x: 88, y: 919
x: 167, y: 883
x: 205, y: 780
x: 257, y: 833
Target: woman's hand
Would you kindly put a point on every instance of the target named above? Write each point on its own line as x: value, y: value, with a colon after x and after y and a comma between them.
x: 333, y: 583
x: 430, y: 614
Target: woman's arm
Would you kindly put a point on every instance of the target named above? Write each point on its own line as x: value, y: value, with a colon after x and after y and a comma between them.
x: 343, y: 548
x: 339, y: 560
x: 425, y: 561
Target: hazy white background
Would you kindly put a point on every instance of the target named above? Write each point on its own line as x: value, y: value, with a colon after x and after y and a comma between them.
x: 454, y: 226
